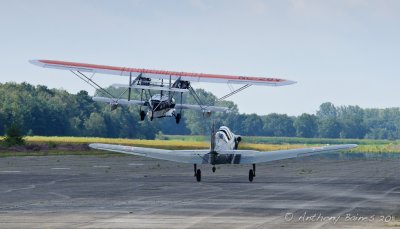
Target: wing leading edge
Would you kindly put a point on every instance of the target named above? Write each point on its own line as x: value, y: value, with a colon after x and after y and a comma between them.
x: 254, y: 157
x: 160, y: 74
x: 183, y: 156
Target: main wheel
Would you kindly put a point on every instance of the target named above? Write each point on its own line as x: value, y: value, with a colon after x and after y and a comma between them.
x: 251, y: 175
x: 178, y: 118
x: 198, y: 175
x: 142, y: 115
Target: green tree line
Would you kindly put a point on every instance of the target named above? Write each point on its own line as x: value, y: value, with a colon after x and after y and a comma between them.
x: 38, y: 110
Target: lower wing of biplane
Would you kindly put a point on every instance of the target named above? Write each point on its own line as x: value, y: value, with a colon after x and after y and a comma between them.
x: 168, y: 84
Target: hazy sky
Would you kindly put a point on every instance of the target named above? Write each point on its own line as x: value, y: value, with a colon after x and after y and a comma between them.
x: 346, y: 52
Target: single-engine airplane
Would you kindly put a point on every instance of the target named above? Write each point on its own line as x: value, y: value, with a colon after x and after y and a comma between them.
x: 160, y: 104
x: 223, y: 150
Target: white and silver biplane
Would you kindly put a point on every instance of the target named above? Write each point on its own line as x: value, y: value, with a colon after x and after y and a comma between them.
x: 167, y: 84
x: 223, y: 150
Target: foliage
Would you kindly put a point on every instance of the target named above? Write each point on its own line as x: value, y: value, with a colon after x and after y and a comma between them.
x: 202, y: 142
x: 13, y: 137
x: 38, y: 110
x: 306, y: 126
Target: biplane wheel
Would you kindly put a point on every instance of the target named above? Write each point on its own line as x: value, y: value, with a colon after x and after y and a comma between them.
x: 142, y: 115
x: 213, y: 169
x: 178, y: 118
x: 198, y: 175
x: 251, y: 175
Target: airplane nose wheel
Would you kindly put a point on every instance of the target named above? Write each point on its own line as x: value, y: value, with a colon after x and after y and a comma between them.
x: 213, y: 169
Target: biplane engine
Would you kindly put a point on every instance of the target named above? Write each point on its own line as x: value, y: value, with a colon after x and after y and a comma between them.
x: 182, y: 84
x: 144, y: 81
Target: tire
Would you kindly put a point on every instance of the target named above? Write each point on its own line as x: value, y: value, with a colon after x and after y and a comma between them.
x: 178, y: 118
x: 198, y: 175
x: 142, y: 115
x: 251, y: 175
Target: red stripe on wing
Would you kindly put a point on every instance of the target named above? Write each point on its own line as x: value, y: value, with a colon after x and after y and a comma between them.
x: 150, y: 71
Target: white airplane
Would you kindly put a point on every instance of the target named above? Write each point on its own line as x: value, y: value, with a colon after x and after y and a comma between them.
x: 162, y: 104
x: 223, y: 150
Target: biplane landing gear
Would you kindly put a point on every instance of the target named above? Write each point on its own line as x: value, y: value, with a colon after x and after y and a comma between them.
x: 178, y: 118
x: 142, y: 115
x: 252, y: 173
x: 197, y: 173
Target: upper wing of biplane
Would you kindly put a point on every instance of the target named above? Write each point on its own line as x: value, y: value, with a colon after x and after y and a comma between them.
x: 159, y: 74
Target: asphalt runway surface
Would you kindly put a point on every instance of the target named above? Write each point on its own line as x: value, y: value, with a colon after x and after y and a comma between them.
x: 135, y: 192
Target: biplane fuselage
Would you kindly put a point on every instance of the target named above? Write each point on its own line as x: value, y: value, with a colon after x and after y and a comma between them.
x: 161, y: 106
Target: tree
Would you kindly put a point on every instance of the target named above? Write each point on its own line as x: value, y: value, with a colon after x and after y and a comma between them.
x: 252, y: 125
x: 13, y: 136
x: 95, y: 125
x: 327, y: 111
x: 279, y: 125
x: 351, y: 119
x: 329, y: 128
x: 306, y: 126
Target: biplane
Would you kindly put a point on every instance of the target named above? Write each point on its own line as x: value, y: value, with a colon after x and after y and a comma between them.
x: 223, y: 151
x: 158, y: 89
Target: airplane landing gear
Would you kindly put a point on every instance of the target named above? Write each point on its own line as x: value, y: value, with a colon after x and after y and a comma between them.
x: 213, y: 169
x: 252, y: 173
x: 178, y: 118
x: 142, y: 115
x: 197, y: 173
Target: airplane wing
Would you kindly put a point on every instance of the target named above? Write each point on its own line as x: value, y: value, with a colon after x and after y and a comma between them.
x: 228, y: 157
x: 159, y: 74
x: 183, y: 156
x: 119, y: 101
x: 201, y: 108
x: 253, y: 156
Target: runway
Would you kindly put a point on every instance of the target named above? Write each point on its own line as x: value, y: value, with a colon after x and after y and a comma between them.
x: 135, y: 192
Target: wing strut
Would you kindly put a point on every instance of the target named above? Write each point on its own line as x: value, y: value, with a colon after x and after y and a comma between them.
x: 92, y: 83
x: 96, y: 86
x: 234, y: 92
